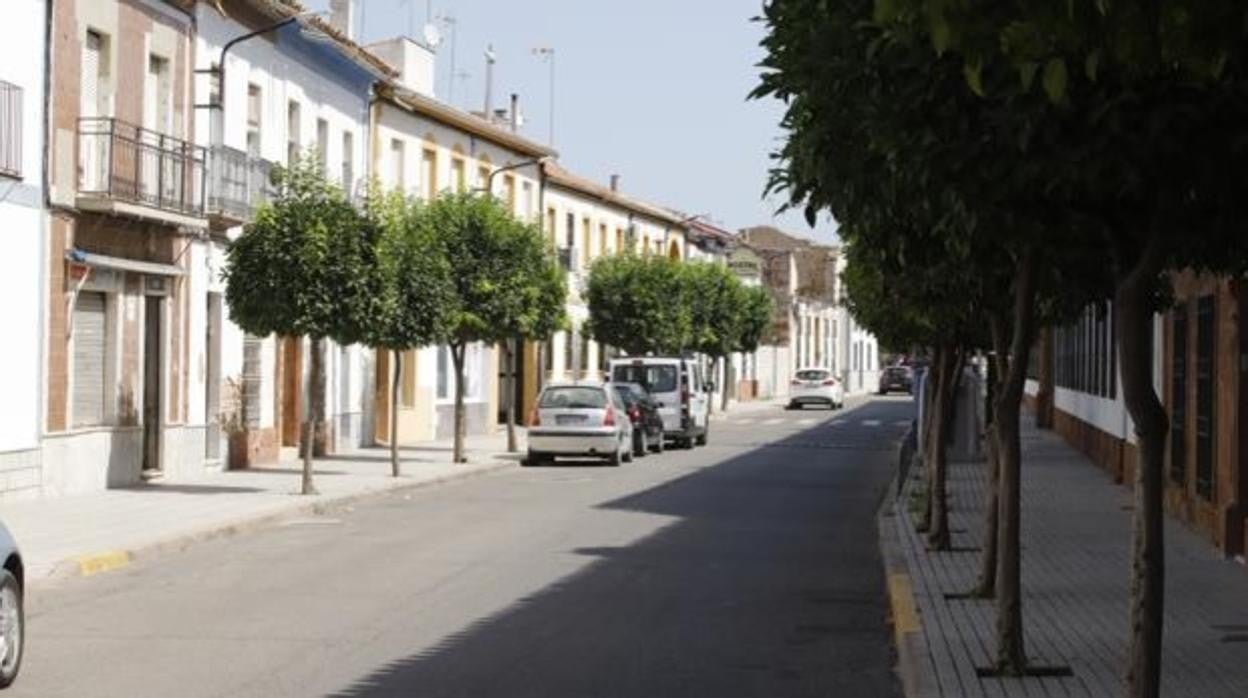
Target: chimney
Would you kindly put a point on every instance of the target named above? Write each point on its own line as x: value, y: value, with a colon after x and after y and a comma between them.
x: 615, y: 182
x: 515, y: 113
x: 343, y: 16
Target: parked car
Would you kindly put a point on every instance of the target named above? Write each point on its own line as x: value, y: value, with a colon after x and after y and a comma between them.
x: 580, y: 420
x: 896, y: 378
x: 12, y: 614
x: 680, y: 390
x: 815, y: 386
x: 648, y: 432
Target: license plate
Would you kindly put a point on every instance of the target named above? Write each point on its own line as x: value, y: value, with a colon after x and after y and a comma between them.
x: 570, y: 419
x: 813, y: 384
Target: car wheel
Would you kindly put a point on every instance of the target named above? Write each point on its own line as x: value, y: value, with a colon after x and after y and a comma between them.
x: 614, y: 459
x: 658, y: 443
x: 791, y: 406
x: 640, y: 445
x: 12, y: 628
x: 701, y: 440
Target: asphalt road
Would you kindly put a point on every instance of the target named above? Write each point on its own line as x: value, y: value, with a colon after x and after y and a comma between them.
x: 746, y: 568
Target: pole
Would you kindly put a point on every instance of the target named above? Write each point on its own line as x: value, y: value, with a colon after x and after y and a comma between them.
x: 551, y: 139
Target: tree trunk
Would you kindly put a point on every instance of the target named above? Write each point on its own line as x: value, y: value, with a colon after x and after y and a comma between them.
x: 727, y: 382
x: 1011, y: 653
x: 509, y: 355
x: 457, y: 358
x: 394, y: 411
x: 315, y: 379
x: 986, y: 586
x: 931, y: 387
x: 938, y: 537
x: 1135, y: 345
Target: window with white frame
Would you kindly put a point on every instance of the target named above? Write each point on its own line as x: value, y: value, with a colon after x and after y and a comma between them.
x: 254, y: 111
x: 397, y: 165
x: 348, y: 161
x: 294, y: 136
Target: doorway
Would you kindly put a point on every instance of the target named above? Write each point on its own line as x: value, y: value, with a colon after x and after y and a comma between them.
x: 212, y: 379
x: 292, y: 395
x: 153, y: 359
x: 517, y: 368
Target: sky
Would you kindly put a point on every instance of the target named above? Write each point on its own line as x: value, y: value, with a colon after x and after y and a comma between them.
x: 652, y: 90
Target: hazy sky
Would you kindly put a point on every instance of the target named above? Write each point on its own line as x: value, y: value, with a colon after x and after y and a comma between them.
x: 654, y: 90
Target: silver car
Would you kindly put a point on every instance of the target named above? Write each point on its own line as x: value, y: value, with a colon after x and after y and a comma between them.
x: 580, y: 420
x: 12, y: 617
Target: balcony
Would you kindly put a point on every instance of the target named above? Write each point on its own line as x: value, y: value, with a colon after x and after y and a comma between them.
x: 131, y: 171
x: 238, y: 185
x: 10, y: 130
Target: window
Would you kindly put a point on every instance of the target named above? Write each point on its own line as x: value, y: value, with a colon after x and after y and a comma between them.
x: 569, y: 362
x: 1206, y: 340
x: 429, y: 173
x: 509, y: 192
x: 602, y: 239
x: 10, y: 129
x: 158, y: 95
x: 322, y: 145
x: 293, y: 136
x: 95, y: 60
x: 570, y: 231
x: 1178, y: 395
x: 656, y: 379
x: 444, y: 372
x: 551, y: 217
x: 585, y: 251
x: 254, y: 105
x: 483, y: 176
x: 573, y: 397
x: 90, y: 358
x: 458, y: 176
x: 619, y: 239
x: 348, y: 161
x: 526, y: 201
x: 397, y: 165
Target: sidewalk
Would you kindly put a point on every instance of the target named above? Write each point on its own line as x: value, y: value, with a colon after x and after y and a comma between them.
x: 1076, y: 559
x: 86, y: 534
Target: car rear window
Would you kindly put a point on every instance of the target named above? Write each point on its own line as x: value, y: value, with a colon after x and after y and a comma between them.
x: 656, y: 379
x: 574, y: 397
x: 812, y: 375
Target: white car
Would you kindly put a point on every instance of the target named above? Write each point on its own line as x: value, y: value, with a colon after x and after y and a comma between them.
x: 12, y: 617
x: 580, y: 420
x: 815, y: 386
x: 680, y: 390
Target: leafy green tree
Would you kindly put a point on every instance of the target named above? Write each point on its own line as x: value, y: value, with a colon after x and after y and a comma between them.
x: 717, y: 300
x: 415, y: 291
x: 504, y: 281
x: 640, y: 305
x: 753, y: 324
x: 306, y: 267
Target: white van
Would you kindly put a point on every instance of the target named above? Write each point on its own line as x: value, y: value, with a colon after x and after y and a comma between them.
x: 680, y: 389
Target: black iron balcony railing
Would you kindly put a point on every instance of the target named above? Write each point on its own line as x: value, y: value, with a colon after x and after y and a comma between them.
x: 238, y: 183
x: 123, y: 162
x: 10, y: 129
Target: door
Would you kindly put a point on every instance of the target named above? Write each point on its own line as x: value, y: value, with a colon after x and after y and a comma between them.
x: 699, y: 401
x: 212, y: 379
x: 153, y: 359
x: 292, y: 393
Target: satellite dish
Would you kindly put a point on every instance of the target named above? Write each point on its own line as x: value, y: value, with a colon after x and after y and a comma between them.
x: 433, y: 36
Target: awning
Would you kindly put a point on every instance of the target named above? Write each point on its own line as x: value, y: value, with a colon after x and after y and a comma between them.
x: 122, y: 264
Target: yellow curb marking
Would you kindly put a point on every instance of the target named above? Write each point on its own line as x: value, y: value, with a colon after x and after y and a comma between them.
x: 102, y: 562
x: 901, y: 598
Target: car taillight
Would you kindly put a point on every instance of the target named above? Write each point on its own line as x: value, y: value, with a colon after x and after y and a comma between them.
x: 830, y: 381
x: 608, y: 418
x: 795, y: 382
x: 535, y: 418
x: 634, y: 414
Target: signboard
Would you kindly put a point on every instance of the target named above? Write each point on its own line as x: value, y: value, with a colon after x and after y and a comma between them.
x: 745, y: 263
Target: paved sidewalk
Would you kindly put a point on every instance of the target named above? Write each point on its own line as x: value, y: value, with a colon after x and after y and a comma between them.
x: 85, y: 534
x: 1076, y: 559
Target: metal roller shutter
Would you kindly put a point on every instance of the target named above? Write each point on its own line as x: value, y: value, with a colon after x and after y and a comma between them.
x: 89, y: 353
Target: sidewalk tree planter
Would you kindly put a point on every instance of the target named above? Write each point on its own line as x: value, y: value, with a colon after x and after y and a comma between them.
x: 504, y: 281
x: 305, y: 267
x: 415, y: 290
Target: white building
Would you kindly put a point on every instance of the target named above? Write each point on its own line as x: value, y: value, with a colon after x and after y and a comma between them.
x: 24, y: 262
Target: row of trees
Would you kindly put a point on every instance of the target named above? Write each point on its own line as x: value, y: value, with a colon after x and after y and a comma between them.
x: 996, y: 166
x: 395, y: 274
x: 656, y: 305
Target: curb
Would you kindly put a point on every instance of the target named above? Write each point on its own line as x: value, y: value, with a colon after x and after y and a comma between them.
x: 108, y: 560
x: 904, y: 616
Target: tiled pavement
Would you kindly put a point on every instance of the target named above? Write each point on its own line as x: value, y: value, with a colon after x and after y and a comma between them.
x: 1076, y: 560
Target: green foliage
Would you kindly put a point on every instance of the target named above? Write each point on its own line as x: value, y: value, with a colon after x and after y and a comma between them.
x: 756, y: 309
x: 505, y: 283
x: 307, y: 265
x: 640, y: 304
x: 416, y: 293
x: 717, y: 300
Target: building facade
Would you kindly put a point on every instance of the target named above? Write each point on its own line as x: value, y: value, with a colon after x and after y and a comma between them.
x: 23, y: 266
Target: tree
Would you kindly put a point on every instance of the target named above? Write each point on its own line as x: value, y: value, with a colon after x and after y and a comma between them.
x: 639, y: 304
x: 306, y: 267
x: 717, y: 302
x: 755, y: 321
x: 502, y: 276
x: 415, y: 291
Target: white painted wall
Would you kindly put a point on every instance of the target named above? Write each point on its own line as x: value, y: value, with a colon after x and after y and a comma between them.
x: 23, y: 222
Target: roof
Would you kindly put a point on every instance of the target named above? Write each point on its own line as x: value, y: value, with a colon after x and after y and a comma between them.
x: 428, y: 106
x: 561, y: 177
x: 284, y: 9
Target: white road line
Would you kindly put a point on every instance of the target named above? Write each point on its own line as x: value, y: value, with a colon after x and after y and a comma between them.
x: 901, y: 423
x: 770, y: 422
x: 870, y: 422
x: 806, y: 422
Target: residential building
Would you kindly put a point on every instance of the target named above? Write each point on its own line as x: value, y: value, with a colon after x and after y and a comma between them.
x: 299, y: 89
x: 1201, y: 374
x: 424, y: 147
x: 24, y: 264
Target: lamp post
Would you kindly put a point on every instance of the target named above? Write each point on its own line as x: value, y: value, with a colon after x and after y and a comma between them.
x: 512, y: 345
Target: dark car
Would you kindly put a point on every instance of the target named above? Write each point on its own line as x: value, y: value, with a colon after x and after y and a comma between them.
x: 644, y: 413
x: 896, y: 378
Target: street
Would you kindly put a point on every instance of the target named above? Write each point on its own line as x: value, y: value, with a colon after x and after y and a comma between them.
x: 746, y: 568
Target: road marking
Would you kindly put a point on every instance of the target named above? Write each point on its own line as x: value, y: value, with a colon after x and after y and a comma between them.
x: 901, y: 423
x: 770, y: 422
x: 806, y: 422
x: 901, y: 599
x: 102, y: 562
x: 747, y: 420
